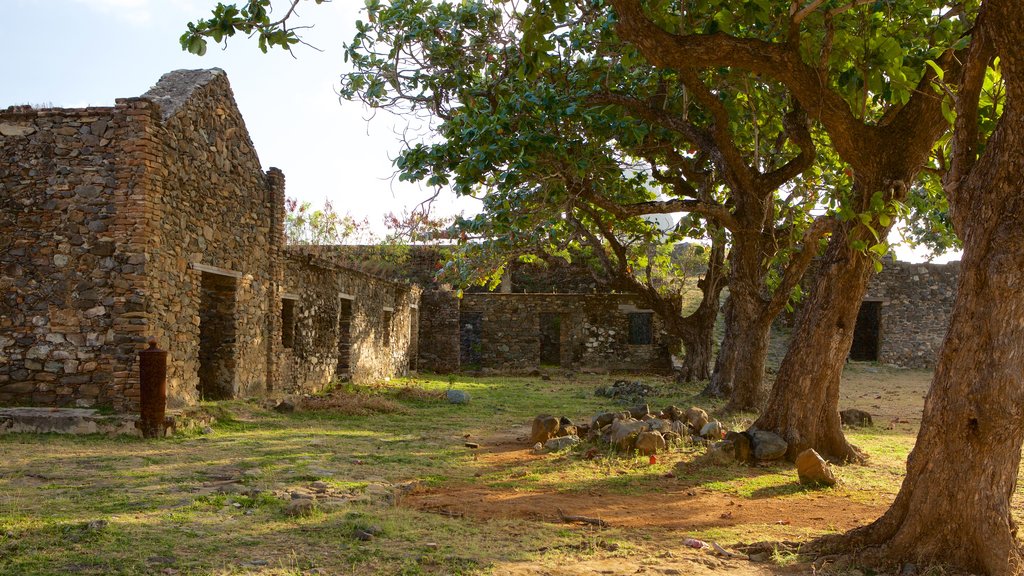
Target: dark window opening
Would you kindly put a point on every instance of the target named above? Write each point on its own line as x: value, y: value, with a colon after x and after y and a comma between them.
x: 288, y: 323
x: 641, y: 329
x: 388, y: 316
x: 867, y: 333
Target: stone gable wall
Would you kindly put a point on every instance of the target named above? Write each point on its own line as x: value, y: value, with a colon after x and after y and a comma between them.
x: 917, y: 301
x: 216, y: 209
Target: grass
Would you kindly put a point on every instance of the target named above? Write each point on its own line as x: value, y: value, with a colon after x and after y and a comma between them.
x: 163, y: 512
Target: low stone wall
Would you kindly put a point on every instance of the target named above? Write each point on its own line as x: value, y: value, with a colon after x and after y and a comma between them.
x: 341, y: 312
x: 593, y: 332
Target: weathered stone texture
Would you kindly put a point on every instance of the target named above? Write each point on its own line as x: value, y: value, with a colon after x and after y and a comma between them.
x: 593, y: 333
x: 347, y: 323
x: 113, y: 219
x: 917, y: 300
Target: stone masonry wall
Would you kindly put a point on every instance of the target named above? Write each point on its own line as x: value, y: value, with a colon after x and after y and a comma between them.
x: 216, y: 208
x: 439, y: 331
x: 594, y: 332
x: 72, y: 249
x: 379, y: 324
x: 917, y: 300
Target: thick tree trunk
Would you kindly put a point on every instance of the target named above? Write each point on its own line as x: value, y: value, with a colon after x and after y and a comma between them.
x: 739, y: 368
x: 803, y: 406
x: 954, y: 505
x: 696, y: 363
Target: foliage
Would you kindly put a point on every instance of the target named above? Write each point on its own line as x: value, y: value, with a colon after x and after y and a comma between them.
x: 323, y: 226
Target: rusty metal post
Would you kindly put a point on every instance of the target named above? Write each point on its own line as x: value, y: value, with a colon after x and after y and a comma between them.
x: 153, y: 390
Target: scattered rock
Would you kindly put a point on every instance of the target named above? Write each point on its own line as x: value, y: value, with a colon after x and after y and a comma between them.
x: 855, y: 418
x: 561, y: 443
x: 713, y: 430
x: 696, y: 418
x: 626, y: 391
x: 813, y: 470
x: 602, y: 420
x: 639, y: 411
x: 545, y: 427
x: 566, y: 427
x: 743, y: 450
x: 673, y: 413
x: 648, y: 443
x: 472, y: 445
x: 319, y: 486
x: 538, y: 448
x: 623, y: 433
x: 457, y: 397
x: 768, y: 445
x: 721, y: 453
x: 96, y: 525
x: 284, y: 407
x: 300, y: 507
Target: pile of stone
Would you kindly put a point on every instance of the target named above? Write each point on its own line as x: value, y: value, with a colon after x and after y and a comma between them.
x: 626, y: 391
x: 633, y: 429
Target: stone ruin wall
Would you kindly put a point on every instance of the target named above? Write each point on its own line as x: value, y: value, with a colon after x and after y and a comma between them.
x: 109, y: 220
x: 377, y: 348
x: 917, y: 301
x: 72, y: 249
x: 216, y: 208
x: 439, y: 331
x: 594, y: 332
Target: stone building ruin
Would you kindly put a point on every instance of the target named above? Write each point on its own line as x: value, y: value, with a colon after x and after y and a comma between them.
x: 154, y: 218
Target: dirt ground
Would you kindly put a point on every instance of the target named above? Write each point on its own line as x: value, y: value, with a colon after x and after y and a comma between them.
x: 677, y: 506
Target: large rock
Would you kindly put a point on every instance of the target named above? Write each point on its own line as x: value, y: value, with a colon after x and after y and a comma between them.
x: 602, y: 420
x: 855, y: 418
x: 457, y: 396
x: 561, y: 443
x: 672, y: 413
x: 639, y: 411
x: 721, y: 453
x: 768, y: 445
x: 696, y: 418
x: 545, y: 427
x: 648, y: 442
x: 743, y: 449
x: 623, y: 433
x: 813, y: 470
x: 566, y: 427
x: 713, y: 430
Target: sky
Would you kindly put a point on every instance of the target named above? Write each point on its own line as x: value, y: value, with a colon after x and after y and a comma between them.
x: 76, y: 53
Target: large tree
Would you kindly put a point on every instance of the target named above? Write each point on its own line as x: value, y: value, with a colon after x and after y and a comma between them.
x: 955, y: 503
x: 862, y: 70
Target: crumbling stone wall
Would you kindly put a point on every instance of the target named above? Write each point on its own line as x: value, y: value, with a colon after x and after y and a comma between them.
x: 216, y: 208
x: 379, y: 324
x: 71, y: 245
x: 439, y: 331
x: 917, y: 300
x: 594, y: 332
x: 110, y: 220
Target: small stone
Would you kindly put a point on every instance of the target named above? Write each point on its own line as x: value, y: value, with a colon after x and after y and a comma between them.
x: 713, y: 430
x: 457, y: 396
x: 206, y: 430
x: 743, y: 449
x: 813, y: 470
x: 300, y: 507
x: 284, y: 407
x: 649, y: 443
x: 96, y: 525
x: 556, y: 444
x: 472, y: 445
x: 319, y: 486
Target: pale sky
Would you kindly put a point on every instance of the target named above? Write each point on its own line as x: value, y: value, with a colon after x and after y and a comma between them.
x: 75, y: 53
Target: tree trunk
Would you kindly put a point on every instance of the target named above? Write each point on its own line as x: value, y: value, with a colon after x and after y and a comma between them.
x: 739, y: 368
x: 696, y: 364
x: 954, y: 505
x: 803, y: 406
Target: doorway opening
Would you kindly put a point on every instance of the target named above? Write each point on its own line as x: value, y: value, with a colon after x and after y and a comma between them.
x: 550, y: 339
x: 344, y: 367
x: 217, y: 336
x: 867, y: 332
